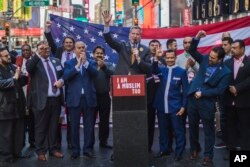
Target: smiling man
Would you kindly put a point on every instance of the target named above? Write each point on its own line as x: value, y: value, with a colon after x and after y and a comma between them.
x: 211, y: 80
x: 132, y: 54
x: 170, y: 103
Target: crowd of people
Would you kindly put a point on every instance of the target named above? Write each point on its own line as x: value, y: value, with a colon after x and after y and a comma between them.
x: 41, y: 87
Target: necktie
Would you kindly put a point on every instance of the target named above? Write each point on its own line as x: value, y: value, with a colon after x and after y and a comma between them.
x: 68, y: 56
x: 51, y: 76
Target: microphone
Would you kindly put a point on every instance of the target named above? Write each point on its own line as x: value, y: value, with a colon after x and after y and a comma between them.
x: 135, y: 44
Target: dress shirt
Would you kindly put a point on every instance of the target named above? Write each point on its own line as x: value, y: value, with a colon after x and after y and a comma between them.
x: 237, y: 64
x: 50, y: 93
x: 64, y: 56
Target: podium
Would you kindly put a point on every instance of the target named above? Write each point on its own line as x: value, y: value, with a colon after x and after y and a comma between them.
x: 130, y: 131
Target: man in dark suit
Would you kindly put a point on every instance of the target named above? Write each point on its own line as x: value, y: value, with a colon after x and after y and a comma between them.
x: 46, y: 99
x: 12, y: 109
x: 152, y: 85
x: 236, y: 98
x: 81, y: 98
x: 211, y: 81
x: 64, y: 53
x: 128, y: 63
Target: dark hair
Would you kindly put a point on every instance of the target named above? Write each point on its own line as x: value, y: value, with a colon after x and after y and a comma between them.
x: 241, y: 43
x: 135, y: 27
x: 99, y: 47
x: 153, y: 41
x: 41, y: 43
x: 170, y: 41
x: 170, y: 51
x: 69, y: 37
x: 220, y: 51
x: 25, y: 45
x: 228, y: 39
x: 3, y: 48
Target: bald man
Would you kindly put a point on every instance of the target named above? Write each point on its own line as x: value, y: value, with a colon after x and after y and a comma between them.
x: 81, y: 98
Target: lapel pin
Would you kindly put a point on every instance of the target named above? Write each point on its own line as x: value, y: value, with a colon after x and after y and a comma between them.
x: 141, y: 49
x: 241, y: 65
x: 53, y: 61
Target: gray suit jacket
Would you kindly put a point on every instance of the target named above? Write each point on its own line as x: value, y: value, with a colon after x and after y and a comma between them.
x: 39, y: 81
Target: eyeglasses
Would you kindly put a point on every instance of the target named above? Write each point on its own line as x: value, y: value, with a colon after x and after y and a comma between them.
x: 47, y: 49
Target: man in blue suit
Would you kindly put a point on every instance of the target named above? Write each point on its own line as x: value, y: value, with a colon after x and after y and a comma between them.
x: 81, y: 97
x: 211, y: 81
x: 170, y: 102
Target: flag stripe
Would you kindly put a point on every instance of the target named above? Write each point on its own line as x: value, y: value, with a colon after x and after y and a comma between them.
x: 163, y: 33
x: 209, y: 40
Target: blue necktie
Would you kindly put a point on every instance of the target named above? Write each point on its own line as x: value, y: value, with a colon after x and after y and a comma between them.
x: 51, y: 76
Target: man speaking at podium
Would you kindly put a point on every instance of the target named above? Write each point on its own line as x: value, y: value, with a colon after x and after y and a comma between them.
x: 132, y: 54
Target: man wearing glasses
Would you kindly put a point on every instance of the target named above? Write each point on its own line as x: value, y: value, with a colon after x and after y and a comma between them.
x: 46, y: 99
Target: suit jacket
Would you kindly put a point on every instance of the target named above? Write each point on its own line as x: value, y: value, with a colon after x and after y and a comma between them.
x: 40, y: 81
x: 241, y: 83
x: 177, y: 92
x: 76, y: 80
x: 56, y: 51
x: 124, y: 65
x: 12, y: 100
x: 216, y: 84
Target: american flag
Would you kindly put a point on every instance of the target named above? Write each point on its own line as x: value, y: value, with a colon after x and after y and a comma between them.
x: 92, y: 34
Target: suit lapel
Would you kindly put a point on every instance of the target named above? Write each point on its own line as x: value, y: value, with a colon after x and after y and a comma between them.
x: 53, y: 62
x: 129, y: 53
x: 241, y: 67
x: 40, y: 65
x: 217, y: 71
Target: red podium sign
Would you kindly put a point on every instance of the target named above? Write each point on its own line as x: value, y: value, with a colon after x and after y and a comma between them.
x: 128, y: 85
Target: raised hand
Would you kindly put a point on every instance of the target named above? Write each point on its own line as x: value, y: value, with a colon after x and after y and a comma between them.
x: 158, y: 53
x: 48, y: 24
x: 190, y: 63
x: 201, y: 34
x: 106, y: 17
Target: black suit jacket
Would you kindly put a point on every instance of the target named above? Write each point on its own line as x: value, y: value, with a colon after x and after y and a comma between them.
x: 124, y: 65
x: 12, y: 100
x: 241, y: 82
x: 40, y: 81
x: 56, y: 51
